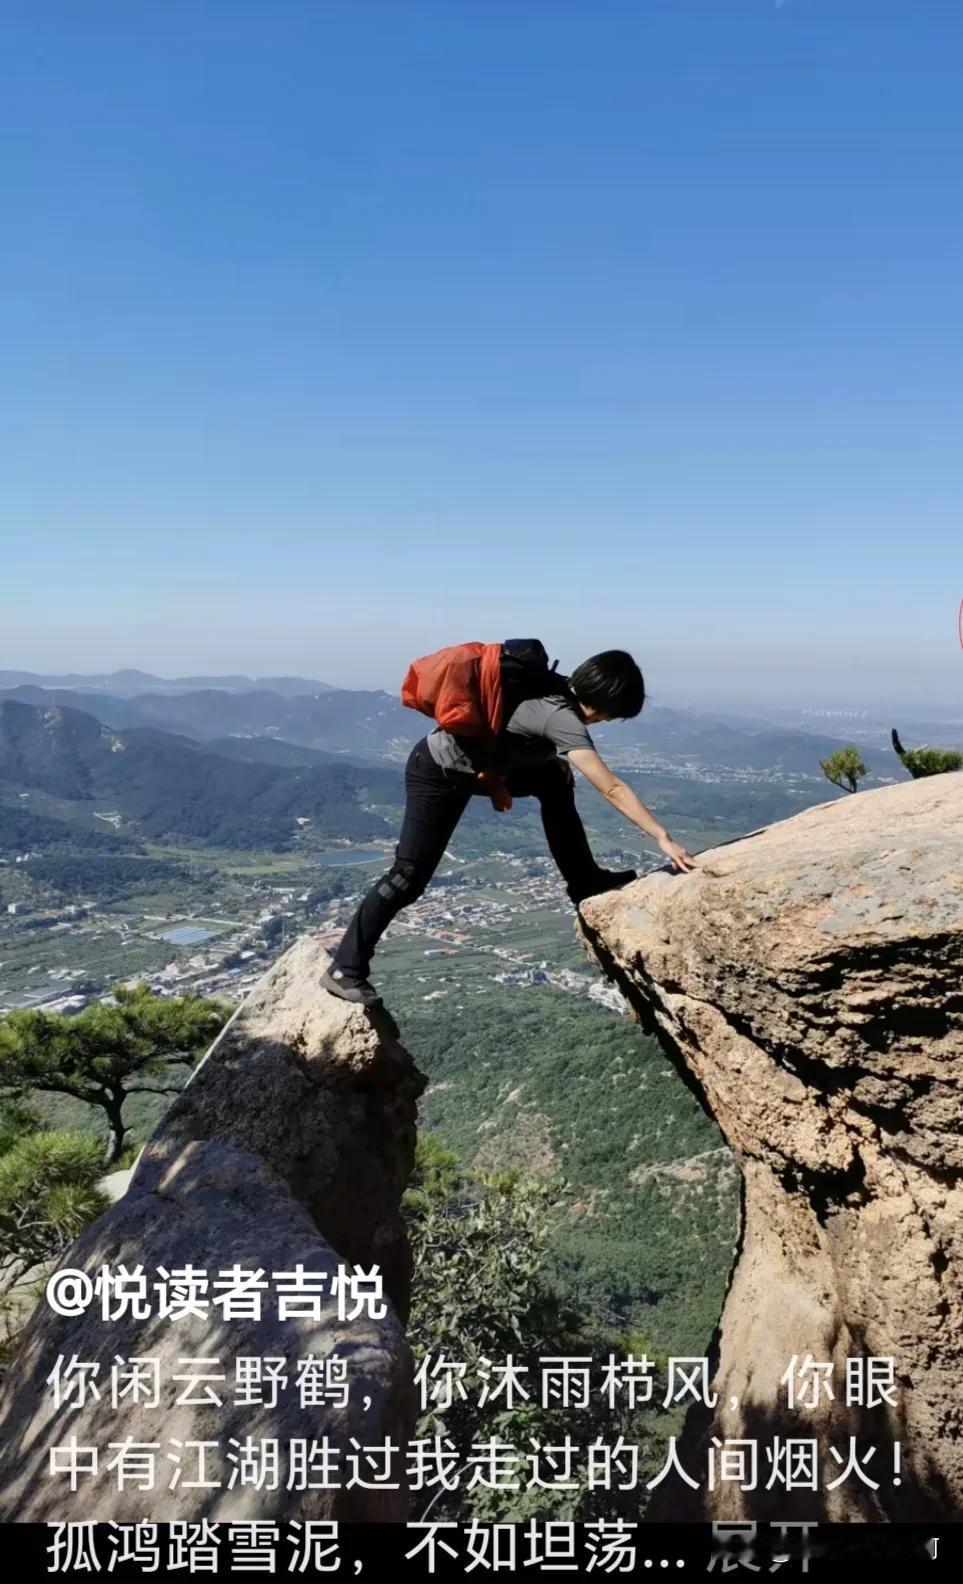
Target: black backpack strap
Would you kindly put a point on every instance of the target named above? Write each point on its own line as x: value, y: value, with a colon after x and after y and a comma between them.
x: 526, y: 673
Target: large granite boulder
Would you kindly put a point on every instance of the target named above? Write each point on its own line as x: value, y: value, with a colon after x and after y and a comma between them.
x: 807, y: 983
x: 291, y: 1145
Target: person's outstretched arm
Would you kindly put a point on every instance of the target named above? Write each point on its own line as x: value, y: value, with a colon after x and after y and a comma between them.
x: 621, y: 797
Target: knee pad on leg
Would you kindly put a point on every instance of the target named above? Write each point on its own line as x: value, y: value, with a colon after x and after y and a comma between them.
x: 403, y: 883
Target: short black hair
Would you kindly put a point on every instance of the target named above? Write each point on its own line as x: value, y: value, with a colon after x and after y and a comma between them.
x: 611, y: 683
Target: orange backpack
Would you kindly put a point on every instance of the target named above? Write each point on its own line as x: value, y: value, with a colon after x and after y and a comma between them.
x: 461, y: 688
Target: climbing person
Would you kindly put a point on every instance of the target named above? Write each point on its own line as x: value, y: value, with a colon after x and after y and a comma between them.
x: 522, y: 727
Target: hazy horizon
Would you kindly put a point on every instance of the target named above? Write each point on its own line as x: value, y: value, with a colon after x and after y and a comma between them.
x: 670, y: 680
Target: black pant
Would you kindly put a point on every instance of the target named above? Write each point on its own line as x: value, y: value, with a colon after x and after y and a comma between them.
x: 435, y: 800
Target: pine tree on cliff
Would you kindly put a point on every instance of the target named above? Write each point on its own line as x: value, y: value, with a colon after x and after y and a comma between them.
x: 844, y: 768
x: 143, y: 1044
x: 926, y: 761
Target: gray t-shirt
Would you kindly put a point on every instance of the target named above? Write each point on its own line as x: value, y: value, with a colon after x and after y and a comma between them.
x: 539, y: 729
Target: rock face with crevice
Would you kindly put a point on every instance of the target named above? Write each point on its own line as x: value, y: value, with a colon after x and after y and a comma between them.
x: 291, y: 1145
x: 806, y: 980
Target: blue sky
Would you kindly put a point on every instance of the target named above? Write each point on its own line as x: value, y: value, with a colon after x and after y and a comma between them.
x: 335, y: 332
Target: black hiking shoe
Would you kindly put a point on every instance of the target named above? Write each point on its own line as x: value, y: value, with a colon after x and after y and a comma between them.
x: 360, y: 991
x: 605, y: 880
x: 614, y: 879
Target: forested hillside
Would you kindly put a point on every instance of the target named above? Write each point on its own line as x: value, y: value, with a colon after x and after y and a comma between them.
x: 170, y: 788
x: 646, y: 1195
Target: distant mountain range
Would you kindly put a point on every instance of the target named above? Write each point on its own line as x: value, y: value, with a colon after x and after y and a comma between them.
x: 238, y: 769
x: 706, y: 741
x: 370, y: 725
x: 126, y: 684
x: 166, y: 787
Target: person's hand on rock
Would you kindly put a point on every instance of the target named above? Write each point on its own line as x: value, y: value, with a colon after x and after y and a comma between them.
x: 680, y: 859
